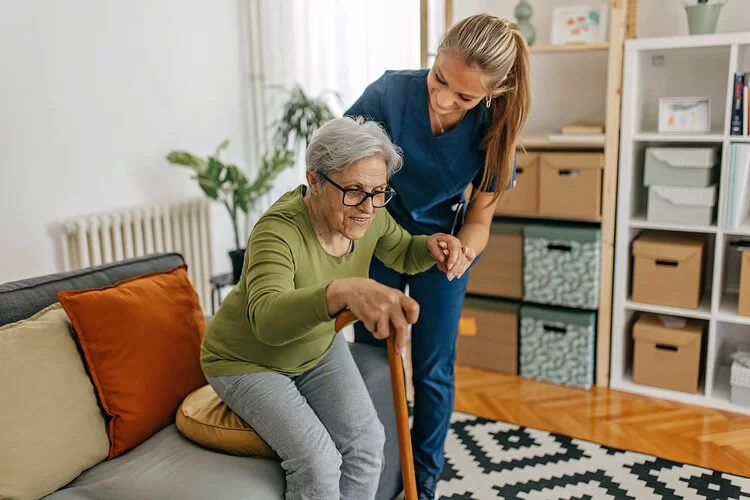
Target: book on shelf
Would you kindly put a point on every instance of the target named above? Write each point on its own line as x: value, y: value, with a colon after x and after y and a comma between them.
x: 582, y: 127
x: 739, y: 121
x: 738, y: 183
x: 577, y: 138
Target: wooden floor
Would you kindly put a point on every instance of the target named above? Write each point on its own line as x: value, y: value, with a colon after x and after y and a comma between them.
x: 690, y: 434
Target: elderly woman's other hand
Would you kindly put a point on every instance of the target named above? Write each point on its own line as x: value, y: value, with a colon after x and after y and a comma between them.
x: 382, y: 309
x: 452, y: 257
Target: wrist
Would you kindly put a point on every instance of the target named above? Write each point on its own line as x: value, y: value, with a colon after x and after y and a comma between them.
x: 336, y: 295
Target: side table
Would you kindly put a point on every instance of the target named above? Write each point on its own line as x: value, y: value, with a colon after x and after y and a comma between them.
x: 217, y: 283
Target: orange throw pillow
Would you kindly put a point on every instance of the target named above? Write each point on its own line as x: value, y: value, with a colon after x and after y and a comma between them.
x: 141, y: 342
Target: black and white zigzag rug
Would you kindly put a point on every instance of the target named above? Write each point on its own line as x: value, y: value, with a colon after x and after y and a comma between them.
x: 490, y: 459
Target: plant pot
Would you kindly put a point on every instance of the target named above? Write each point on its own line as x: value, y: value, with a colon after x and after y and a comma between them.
x: 238, y: 260
x: 702, y: 18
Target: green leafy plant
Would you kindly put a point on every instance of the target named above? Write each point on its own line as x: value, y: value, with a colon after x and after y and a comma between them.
x: 300, y: 117
x: 228, y: 184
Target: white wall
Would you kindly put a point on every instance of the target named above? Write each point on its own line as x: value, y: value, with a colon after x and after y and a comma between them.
x: 573, y: 86
x: 93, y: 95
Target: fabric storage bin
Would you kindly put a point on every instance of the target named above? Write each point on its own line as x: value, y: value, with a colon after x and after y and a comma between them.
x: 523, y: 199
x: 561, y: 265
x: 488, y: 335
x: 668, y: 268
x: 740, y: 383
x: 558, y: 346
x: 499, y: 270
x: 688, y: 167
x: 674, y: 343
x: 681, y: 205
x: 570, y: 185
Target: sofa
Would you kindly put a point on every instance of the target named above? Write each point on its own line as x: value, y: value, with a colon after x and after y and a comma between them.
x: 167, y: 465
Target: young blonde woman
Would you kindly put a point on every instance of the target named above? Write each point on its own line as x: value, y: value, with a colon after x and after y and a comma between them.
x: 458, y: 124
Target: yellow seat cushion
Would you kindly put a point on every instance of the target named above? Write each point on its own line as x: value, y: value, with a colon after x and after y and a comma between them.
x: 206, y: 420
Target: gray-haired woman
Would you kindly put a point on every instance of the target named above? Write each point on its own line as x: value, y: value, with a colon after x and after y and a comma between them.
x: 271, y: 353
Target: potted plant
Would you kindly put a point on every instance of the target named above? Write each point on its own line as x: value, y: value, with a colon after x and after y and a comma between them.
x: 228, y: 185
x: 703, y: 16
x: 301, y: 116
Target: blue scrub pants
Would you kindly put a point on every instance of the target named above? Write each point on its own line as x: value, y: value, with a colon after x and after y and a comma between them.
x: 433, y: 357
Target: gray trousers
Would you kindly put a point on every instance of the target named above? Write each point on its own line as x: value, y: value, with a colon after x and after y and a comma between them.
x: 322, y: 424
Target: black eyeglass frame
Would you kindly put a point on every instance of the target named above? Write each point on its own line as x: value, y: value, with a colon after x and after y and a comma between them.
x: 366, y: 194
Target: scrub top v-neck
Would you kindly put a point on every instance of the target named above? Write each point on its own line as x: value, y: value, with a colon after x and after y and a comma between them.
x: 436, y: 169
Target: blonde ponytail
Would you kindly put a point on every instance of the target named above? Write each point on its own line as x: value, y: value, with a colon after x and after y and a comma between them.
x: 497, y: 48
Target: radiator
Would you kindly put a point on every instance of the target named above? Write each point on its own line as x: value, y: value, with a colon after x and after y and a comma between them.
x: 105, y: 237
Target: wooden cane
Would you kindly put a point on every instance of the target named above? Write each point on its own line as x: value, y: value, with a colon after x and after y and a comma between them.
x: 402, y: 410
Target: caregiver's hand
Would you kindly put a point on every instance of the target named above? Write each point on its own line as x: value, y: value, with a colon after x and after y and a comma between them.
x: 381, y: 309
x: 449, y: 254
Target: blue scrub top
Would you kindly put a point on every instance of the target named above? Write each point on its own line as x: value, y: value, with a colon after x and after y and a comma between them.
x: 436, y: 169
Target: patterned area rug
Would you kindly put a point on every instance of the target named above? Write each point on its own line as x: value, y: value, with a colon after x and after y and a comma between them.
x: 490, y: 459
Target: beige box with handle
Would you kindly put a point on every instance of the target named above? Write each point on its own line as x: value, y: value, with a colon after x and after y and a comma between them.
x: 667, y: 356
x: 570, y: 185
x: 523, y: 199
x: 667, y: 268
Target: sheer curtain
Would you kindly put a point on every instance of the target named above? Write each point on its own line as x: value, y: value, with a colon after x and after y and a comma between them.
x: 321, y: 45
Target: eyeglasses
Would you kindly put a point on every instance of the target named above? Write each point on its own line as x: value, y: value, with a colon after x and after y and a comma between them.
x: 355, y: 197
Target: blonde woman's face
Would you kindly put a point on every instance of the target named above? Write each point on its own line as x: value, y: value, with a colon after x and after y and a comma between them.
x: 453, y: 86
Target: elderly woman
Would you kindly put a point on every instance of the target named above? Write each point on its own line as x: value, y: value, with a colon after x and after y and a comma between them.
x: 271, y: 352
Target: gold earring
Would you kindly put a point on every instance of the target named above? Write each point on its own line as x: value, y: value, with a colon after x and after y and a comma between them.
x: 488, y: 101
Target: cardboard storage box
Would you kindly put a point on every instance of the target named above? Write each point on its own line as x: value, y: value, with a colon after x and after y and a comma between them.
x: 688, y: 167
x: 499, y: 270
x: 561, y: 265
x: 558, y: 346
x: 570, y: 185
x: 682, y: 205
x: 667, y: 356
x: 523, y: 199
x: 668, y: 268
x: 488, y: 335
x: 743, y: 304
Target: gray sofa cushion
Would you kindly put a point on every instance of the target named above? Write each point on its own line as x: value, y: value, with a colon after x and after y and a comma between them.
x: 168, y: 466
x: 22, y: 299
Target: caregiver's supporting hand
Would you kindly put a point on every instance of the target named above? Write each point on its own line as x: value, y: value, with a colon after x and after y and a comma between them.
x: 380, y: 308
x: 449, y: 253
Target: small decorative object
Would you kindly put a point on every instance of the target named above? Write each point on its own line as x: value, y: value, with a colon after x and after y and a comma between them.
x: 684, y: 114
x: 229, y: 185
x: 703, y: 16
x: 579, y: 24
x: 523, y: 13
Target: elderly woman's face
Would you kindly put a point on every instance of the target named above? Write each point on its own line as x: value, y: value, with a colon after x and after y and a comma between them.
x: 367, y: 174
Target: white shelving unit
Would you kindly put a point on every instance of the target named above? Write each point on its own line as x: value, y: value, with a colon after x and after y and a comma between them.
x: 689, y: 66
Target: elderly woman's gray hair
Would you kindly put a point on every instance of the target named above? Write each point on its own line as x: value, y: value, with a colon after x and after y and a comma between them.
x: 343, y: 141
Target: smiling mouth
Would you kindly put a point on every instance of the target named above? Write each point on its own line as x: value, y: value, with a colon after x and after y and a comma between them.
x: 360, y: 220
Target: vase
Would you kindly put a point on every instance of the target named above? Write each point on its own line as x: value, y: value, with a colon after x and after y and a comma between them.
x: 523, y: 13
x: 702, y: 17
x: 238, y: 261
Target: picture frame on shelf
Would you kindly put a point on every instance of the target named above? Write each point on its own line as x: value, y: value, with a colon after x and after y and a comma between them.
x: 579, y: 24
x: 684, y: 115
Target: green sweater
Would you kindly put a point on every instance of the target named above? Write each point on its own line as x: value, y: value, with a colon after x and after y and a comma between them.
x: 276, y: 318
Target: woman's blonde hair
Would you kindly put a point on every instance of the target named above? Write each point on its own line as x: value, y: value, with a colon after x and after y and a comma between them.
x: 496, y: 48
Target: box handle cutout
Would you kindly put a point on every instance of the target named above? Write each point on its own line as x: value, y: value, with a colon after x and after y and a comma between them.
x: 666, y: 347
x: 559, y: 247
x: 569, y: 172
x: 667, y: 263
x: 519, y: 170
x: 555, y: 329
